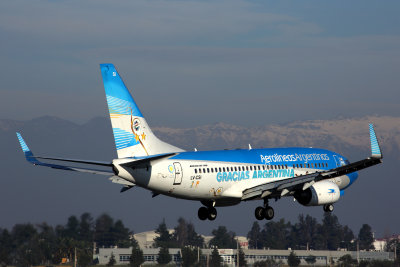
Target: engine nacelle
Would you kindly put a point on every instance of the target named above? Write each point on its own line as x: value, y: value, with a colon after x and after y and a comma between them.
x: 320, y: 193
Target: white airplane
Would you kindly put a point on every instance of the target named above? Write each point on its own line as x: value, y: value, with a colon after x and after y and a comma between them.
x: 313, y: 176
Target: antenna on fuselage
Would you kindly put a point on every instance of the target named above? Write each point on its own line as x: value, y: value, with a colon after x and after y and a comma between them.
x: 250, y: 148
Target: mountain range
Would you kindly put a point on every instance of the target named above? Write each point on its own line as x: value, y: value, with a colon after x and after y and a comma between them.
x: 35, y: 194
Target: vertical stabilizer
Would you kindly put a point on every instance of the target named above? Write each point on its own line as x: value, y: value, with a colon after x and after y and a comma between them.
x: 133, y: 137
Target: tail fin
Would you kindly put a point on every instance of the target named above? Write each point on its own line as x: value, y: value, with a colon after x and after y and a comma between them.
x: 133, y: 137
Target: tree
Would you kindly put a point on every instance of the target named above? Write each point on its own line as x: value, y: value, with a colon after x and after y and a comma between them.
x: 121, y: 235
x: 103, y: 234
x: 185, y: 235
x: 189, y: 256
x: 305, y: 233
x: 366, y: 238
x: 215, y: 259
x: 254, y: 237
x: 275, y: 234
x: 137, y: 254
x: 86, y: 227
x: 112, y: 260
x: 267, y: 263
x: 163, y: 255
x: 331, y: 232
x: 242, y: 258
x: 165, y: 238
x: 347, y: 261
x: 222, y: 238
x: 311, y: 259
x: 6, y: 248
x: 292, y: 260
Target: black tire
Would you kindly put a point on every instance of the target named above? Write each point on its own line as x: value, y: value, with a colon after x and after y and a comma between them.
x: 203, y: 213
x: 259, y: 213
x: 269, y: 213
x: 212, y: 213
x: 328, y: 208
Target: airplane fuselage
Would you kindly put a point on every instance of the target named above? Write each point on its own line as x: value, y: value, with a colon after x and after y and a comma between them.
x: 222, y: 175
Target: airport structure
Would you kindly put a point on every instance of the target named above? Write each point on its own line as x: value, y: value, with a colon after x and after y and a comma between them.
x: 146, y: 243
x: 322, y: 257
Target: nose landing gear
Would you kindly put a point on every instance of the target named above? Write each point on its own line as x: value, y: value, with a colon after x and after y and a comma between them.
x: 207, y: 213
x: 265, y: 212
x: 328, y: 207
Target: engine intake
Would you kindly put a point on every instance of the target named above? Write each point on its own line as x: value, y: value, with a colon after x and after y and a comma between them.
x: 320, y: 193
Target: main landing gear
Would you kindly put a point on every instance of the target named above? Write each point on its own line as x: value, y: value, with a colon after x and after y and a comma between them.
x: 207, y: 213
x: 266, y: 212
x: 328, y: 207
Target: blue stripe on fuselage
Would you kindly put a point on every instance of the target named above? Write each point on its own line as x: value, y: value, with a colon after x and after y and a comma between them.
x: 268, y: 156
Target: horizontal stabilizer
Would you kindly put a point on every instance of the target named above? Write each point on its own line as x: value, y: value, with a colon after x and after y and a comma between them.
x: 34, y: 160
x: 144, y: 160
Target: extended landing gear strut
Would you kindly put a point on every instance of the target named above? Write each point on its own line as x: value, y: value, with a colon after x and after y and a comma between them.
x: 328, y: 207
x: 266, y: 212
x: 207, y: 213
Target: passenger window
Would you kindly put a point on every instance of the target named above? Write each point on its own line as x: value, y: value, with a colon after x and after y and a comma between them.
x: 235, y: 169
x: 195, y: 170
x: 312, y: 165
x: 208, y: 170
x: 199, y: 170
x: 301, y: 165
x: 204, y: 170
x: 220, y: 169
x: 247, y: 168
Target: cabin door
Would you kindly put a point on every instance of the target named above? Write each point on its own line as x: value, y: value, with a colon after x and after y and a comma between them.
x: 178, y: 173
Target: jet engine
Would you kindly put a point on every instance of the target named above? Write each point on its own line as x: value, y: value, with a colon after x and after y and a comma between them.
x: 320, y: 193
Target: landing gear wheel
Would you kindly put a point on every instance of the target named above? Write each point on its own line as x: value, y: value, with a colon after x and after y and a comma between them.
x: 259, y: 213
x: 328, y: 207
x: 269, y: 213
x: 212, y: 213
x: 203, y: 213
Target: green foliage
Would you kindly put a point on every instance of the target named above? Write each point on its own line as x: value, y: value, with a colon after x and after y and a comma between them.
x: 185, y: 235
x: 112, y: 260
x: 267, y: 263
x: 222, y: 238
x: 254, y: 237
x: 311, y: 259
x: 137, y: 255
x: 189, y: 256
x: 6, y: 248
x: 347, y: 261
x: 365, y: 238
x: 107, y: 233
x: 276, y: 234
x: 293, y: 261
x: 242, y: 259
x: 165, y: 238
x: 215, y: 259
x: 163, y: 255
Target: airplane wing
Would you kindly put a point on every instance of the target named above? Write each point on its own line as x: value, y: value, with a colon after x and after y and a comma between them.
x: 34, y: 160
x: 283, y: 187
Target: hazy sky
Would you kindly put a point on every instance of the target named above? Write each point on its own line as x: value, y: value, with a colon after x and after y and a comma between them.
x: 196, y: 62
x: 190, y: 63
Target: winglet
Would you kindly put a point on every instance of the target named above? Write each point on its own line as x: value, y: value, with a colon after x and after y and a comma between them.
x: 28, y: 153
x: 375, y: 149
